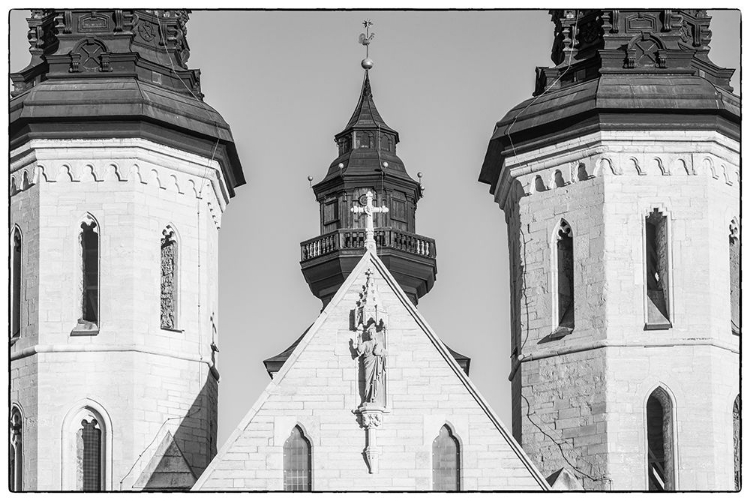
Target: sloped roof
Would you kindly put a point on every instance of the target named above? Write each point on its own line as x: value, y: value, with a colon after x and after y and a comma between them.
x: 370, y: 259
x: 366, y: 114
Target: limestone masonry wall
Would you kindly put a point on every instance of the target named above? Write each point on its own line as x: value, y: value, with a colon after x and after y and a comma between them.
x: 586, y: 392
x: 149, y: 381
x: 318, y: 390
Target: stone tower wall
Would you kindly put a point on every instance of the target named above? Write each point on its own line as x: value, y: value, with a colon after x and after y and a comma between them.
x: 587, y: 390
x: 147, y: 380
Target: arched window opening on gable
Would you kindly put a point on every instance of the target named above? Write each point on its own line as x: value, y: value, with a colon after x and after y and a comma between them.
x: 657, y: 272
x: 15, y: 459
x: 446, y: 464
x: 297, y: 462
x: 734, y: 274
x: 88, y: 323
x: 169, y: 279
x: 565, y: 283
x: 15, y: 292
x: 89, y: 456
x: 737, y: 441
x: 660, y: 438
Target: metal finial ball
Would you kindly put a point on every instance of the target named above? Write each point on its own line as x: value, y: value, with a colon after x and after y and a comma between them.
x: 367, y: 63
x: 310, y: 178
x: 385, y: 165
x: 419, y: 175
x: 341, y: 166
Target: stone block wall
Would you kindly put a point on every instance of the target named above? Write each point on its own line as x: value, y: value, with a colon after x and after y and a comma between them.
x: 318, y: 389
x: 586, y: 389
x: 148, y: 380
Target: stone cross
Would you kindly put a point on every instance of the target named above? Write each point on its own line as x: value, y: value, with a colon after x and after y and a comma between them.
x: 368, y: 210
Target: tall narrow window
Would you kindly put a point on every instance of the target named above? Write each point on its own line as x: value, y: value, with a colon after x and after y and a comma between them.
x: 297, y: 462
x: 89, y: 456
x: 734, y: 274
x: 169, y: 279
x: 446, y: 472
x: 565, y: 306
x: 88, y: 323
x: 15, y: 460
x: 15, y: 293
x: 657, y: 272
x: 660, y: 438
x: 737, y: 441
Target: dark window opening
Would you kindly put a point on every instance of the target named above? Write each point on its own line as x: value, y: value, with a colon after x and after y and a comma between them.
x: 565, y: 282
x: 15, y: 315
x: 89, y: 458
x: 15, y: 459
x: 89, y: 239
x: 657, y: 272
x: 660, y: 436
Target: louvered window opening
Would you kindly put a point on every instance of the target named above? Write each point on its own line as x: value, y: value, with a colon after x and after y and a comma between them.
x: 445, y: 462
x: 91, y: 460
x: 297, y: 461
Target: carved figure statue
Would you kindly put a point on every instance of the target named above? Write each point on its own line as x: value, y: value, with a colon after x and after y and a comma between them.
x: 372, y: 353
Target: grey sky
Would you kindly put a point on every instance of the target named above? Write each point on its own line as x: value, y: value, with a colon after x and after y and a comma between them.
x: 287, y: 82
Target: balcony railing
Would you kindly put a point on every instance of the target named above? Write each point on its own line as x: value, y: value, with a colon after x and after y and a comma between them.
x: 386, y: 238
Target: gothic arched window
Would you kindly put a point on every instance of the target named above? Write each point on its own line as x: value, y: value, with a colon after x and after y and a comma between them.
x: 88, y: 238
x: 15, y: 459
x: 446, y: 464
x: 169, y: 279
x: 565, y: 283
x: 657, y: 271
x: 15, y: 291
x: 660, y: 440
x: 87, y: 449
x: 736, y: 424
x: 734, y: 274
x: 89, y: 455
x: 297, y: 462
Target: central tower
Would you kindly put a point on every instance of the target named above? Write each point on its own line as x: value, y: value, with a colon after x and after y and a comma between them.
x: 367, y: 161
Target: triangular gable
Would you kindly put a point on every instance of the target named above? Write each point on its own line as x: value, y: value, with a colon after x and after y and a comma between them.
x: 167, y: 470
x: 370, y: 260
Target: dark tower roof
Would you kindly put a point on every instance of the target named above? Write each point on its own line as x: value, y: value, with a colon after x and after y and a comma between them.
x: 367, y: 161
x: 360, y: 159
x: 366, y: 115
x: 620, y: 70
x: 117, y: 73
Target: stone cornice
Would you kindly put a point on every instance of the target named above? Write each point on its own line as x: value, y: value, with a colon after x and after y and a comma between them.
x: 108, y: 348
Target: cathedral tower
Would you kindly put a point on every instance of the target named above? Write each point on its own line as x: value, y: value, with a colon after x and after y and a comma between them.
x: 619, y: 181
x: 367, y: 161
x: 119, y: 175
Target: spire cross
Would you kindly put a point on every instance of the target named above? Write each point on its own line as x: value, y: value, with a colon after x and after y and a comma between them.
x: 368, y: 210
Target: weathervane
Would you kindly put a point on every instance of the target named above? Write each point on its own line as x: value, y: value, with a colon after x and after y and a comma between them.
x: 366, y: 39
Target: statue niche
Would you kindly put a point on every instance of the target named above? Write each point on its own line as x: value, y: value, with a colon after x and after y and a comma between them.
x: 370, y: 346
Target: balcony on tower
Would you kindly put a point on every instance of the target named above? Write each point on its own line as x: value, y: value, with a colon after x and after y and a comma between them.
x: 367, y: 162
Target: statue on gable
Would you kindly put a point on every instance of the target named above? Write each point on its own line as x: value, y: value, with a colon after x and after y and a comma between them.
x: 372, y: 352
